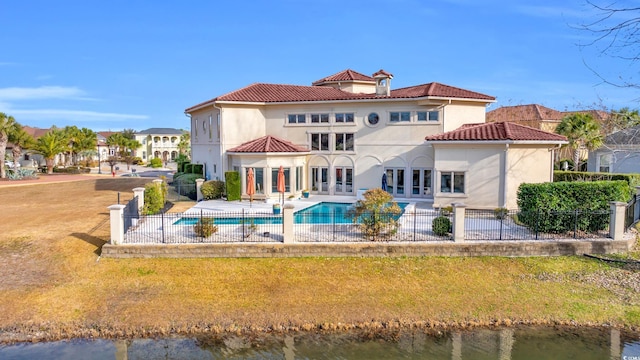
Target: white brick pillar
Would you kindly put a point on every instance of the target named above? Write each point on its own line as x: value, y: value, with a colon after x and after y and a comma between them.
x: 117, y: 223
x: 139, y: 192
x: 287, y: 223
x: 616, y: 226
x: 199, y: 196
x: 458, y: 221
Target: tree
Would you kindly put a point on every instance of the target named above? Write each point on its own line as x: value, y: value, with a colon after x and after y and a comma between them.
x: 582, y: 131
x: 615, y: 34
x: 376, y: 214
x: 85, y: 143
x: 184, y: 146
x: 21, y: 140
x: 7, y: 124
x: 622, y: 119
x: 51, y: 144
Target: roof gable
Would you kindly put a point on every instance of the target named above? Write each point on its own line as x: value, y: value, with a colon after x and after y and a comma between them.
x: 529, y: 112
x: 500, y: 131
x: 268, y: 144
x: 345, y: 75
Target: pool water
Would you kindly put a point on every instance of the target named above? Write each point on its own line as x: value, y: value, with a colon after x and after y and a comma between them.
x: 321, y: 213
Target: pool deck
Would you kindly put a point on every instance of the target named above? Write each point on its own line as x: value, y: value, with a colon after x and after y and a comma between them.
x: 299, y: 204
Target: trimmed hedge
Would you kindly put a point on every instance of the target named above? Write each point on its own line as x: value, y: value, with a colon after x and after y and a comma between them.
x: 559, y: 207
x: 197, y: 169
x: 188, y: 168
x: 185, y: 185
x: 154, y: 197
x: 232, y: 180
x: 212, y: 189
x: 632, y: 179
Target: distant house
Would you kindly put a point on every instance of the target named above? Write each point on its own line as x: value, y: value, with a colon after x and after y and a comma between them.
x: 161, y: 143
x: 620, y: 153
x: 486, y: 163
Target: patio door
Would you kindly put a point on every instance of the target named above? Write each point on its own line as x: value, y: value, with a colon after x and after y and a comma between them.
x: 421, y: 182
x: 320, y: 179
x: 343, y: 181
x: 395, y: 181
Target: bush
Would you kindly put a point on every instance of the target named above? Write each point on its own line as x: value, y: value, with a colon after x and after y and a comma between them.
x: 188, y: 168
x: 197, y: 169
x: 567, y: 206
x: 376, y: 214
x: 154, y: 198
x: 232, y: 181
x: 205, y: 227
x: 441, y: 225
x: 137, y: 161
x: 155, y: 163
x: 185, y: 185
x: 212, y: 189
x: 632, y: 179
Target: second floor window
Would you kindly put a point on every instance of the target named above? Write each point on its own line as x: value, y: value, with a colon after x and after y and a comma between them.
x: 345, y: 117
x: 396, y: 116
x: 428, y: 115
x: 319, y: 142
x: 297, y: 118
x: 319, y: 118
x: 344, y: 142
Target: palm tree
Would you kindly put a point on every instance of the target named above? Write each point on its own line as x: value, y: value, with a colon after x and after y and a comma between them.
x: 582, y: 131
x: 6, y: 127
x: 86, y: 142
x: 21, y: 140
x: 184, y: 146
x: 49, y: 145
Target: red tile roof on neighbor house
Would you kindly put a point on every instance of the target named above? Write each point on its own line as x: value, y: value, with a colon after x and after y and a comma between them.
x: 278, y: 93
x: 524, y: 112
x: 500, y: 131
x: 35, y: 132
x: 268, y: 144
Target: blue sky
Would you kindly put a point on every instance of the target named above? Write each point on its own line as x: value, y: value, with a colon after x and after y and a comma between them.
x: 111, y: 65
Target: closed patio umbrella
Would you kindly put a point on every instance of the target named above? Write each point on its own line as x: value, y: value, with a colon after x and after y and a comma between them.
x: 280, y: 184
x: 251, y: 186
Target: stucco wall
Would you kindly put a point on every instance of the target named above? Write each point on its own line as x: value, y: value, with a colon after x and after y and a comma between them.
x: 527, y: 164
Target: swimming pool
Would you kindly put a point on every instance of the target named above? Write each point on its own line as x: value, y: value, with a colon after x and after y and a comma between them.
x: 321, y: 213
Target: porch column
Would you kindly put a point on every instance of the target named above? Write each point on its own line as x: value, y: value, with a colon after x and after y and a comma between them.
x: 287, y: 223
x: 117, y: 223
x: 616, y: 226
x: 458, y: 221
x: 199, y: 196
x: 139, y: 193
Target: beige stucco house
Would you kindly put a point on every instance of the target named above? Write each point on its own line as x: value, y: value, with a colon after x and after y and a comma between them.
x: 340, y: 135
x: 161, y: 143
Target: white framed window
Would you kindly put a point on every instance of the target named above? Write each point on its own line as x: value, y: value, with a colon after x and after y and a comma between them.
x: 452, y: 182
x: 605, y: 163
x: 344, y: 142
x: 433, y: 115
x: 397, y: 116
x: 345, y: 117
x: 297, y: 118
x: 320, y: 142
x: 319, y: 118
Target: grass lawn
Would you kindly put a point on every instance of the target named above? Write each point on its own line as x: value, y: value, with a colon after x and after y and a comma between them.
x: 54, y: 285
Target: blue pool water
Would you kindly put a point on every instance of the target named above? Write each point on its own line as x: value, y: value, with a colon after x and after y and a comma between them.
x: 321, y: 213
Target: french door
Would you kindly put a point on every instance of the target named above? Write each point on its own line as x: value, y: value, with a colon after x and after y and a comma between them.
x: 320, y: 179
x: 343, y: 180
x: 421, y: 182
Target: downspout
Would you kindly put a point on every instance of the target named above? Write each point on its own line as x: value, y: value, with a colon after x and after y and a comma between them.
x: 223, y: 156
x: 506, y: 176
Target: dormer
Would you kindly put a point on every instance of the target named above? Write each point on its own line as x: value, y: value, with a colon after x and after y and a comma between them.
x: 383, y: 82
x: 349, y: 81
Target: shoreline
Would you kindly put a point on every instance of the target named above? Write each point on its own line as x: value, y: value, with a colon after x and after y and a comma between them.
x: 36, y: 333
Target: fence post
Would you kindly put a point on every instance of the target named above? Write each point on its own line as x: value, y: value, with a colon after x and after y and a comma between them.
x: 616, y: 225
x: 139, y: 192
x: 199, y: 196
x: 458, y: 221
x: 636, y: 212
x: 117, y: 223
x: 287, y: 223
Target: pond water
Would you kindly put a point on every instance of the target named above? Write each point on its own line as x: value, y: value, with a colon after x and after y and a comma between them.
x: 510, y: 343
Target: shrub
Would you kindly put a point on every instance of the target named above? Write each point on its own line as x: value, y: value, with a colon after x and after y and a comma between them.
x: 205, y: 227
x: 154, y: 198
x: 185, y: 185
x: 188, y: 168
x: 632, y: 179
x: 137, y: 161
x: 441, y: 225
x: 376, y: 214
x: 155, y: 163
x: 232, y: 181
x: 197, y: 169
x: 446, y: 210
x: 500, y: 213
x: 212, y: 189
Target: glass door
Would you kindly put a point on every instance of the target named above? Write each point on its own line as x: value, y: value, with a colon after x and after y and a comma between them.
x: 344, y: 181
x: 421, y: 183
x: 320, y: 179
x: 395, y: 181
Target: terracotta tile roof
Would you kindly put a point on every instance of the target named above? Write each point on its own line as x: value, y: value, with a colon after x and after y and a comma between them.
x: 499, y: 131
x: 598, y: 115
x: 268, y: 144
x: 35, y: 132
x: 345, y: 75
x: 524, y: 113
x: 382, y: 72
x: 270, y: 93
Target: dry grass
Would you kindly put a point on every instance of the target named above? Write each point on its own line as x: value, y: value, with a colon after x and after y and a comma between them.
x: 52, y: 279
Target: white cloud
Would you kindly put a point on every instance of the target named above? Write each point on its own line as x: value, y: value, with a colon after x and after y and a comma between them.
x: 43, y: 92
x: 49, y: 114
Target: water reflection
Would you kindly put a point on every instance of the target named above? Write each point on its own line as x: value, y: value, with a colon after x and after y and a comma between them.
x: 511, y: 343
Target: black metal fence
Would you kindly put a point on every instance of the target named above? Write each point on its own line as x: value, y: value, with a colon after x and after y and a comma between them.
x: 535, y: 225
x: 130, y: 212
x: 181, y: 228
x: 181, y: 192
x: 632, y: 212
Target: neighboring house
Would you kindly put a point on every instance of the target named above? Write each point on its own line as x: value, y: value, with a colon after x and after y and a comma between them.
x: 543, y: 118
x: 335, y: 137
x: 482, y: 165
x: 161, y: 143
x: 620, y: 153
